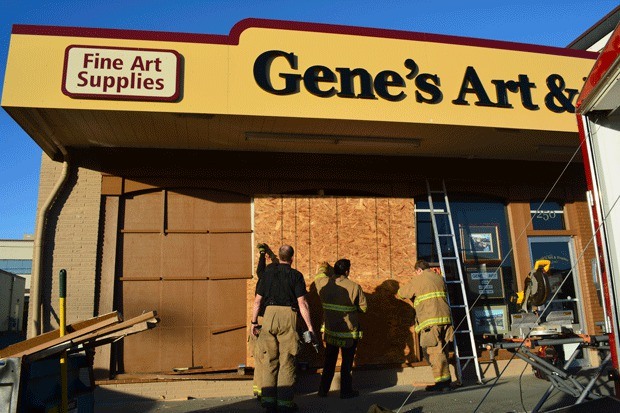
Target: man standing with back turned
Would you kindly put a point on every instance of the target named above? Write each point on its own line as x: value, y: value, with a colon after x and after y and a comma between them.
x: 427, y: 290
x: 342, y: 301
x: 282, y: 291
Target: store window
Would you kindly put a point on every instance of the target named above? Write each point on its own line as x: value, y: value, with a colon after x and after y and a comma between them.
x: 563, y: 276
x: 547, y: 215
x: 484, y: 251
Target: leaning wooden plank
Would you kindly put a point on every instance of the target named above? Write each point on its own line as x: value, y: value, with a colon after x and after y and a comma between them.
x: 51, y: 343
x: 136, y: 328
x: 59, y: 348
x: 45, y: 337
x: 148, y: 316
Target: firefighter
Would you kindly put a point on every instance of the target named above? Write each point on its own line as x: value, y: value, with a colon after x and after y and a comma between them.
x: 282, y: 291
x: 342, y: 301
x: 263, y: 250
x: 427, y: 290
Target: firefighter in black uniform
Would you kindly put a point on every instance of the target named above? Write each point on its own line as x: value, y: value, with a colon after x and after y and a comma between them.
x: 282, y: 291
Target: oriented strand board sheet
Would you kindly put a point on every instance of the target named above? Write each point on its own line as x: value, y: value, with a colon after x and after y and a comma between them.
x: 401, y: 230
x: 376, y: 234
x: 323, y: 231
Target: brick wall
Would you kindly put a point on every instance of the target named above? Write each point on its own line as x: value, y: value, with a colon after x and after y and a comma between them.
x: 70, y: 242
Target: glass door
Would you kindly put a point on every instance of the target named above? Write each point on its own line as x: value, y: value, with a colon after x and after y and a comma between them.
x: 563, y: 281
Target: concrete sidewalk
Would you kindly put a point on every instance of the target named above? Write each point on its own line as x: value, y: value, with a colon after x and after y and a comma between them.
x: 518, y: 390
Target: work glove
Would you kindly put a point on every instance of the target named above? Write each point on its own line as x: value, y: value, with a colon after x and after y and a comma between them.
x: 262, y: 248
x: 309, y: 338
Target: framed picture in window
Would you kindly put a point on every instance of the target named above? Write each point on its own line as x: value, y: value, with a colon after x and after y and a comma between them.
x: 484, y: 281
x: 480, y: 242
x: 490, y: 319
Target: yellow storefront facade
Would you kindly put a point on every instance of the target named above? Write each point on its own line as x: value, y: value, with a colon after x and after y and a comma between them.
x: 168, y: 156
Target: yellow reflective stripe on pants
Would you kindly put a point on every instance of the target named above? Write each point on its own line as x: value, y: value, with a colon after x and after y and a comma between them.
x: 437, y: 321
x: 443, y: 378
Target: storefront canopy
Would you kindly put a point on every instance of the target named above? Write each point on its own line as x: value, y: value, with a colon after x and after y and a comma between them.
x: 294, y: 87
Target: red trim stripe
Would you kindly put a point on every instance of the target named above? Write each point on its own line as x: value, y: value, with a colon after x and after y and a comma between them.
x: 240, y: 27
x: 607, y: 57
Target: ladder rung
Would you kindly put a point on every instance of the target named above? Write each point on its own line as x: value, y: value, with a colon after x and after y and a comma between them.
x: 467, y: 357
x: 458, y: 306
x: 454, y: 282
x: 450, y: 258
x: 436, y: 191
x: 462, y: 331
x: 445, y: 235
x: 439, y: 212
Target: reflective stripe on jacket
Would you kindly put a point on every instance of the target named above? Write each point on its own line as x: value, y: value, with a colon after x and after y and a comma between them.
x: 428, y: 293
x: 342, y: 301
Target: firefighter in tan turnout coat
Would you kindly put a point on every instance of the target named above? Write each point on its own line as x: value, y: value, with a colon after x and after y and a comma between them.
x: 427, y: 290
x: 342, y: 301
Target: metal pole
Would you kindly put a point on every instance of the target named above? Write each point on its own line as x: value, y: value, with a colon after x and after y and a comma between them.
x: 550, y: 389
x: 600, y: 369
x: 62, y: 293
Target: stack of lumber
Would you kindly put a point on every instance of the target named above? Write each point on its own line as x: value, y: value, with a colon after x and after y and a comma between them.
x: 81, y: 335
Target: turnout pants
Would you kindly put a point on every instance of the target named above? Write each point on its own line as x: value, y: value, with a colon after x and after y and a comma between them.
x: 258, y: 363
x: 433, y: 342
x: 279, y: 345
x: 331, y: 356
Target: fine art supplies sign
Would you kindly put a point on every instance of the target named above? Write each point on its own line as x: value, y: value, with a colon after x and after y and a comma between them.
x: 121, y: 73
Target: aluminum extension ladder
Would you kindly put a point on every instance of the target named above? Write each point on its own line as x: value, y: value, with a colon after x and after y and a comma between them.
x: 451, y: 269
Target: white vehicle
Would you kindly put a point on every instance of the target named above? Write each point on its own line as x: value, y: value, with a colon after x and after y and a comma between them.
x: 599, y: 127
x: 11, y: 301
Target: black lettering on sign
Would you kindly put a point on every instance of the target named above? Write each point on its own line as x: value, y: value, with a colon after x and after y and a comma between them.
x: 472, y: 84
x: 262, y: 67
x: 556, y: 101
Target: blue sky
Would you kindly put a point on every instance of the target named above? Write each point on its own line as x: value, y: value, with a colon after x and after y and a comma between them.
x: 547, y: 22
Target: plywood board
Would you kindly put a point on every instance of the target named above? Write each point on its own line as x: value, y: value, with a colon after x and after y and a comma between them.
x: 402, y: 235
x: 223, y: 299
x: 141, y: 255
x: 357, y: 234
x: 302, y: 243
x: 229, y: 255
x: 144, y: 211
x: 225, y: 350
x: 376, y: 234
x: 176, y: 347
x: 141, y: 352
x: 52, y: 338
x: 323, y: 231
x: 207, y: 242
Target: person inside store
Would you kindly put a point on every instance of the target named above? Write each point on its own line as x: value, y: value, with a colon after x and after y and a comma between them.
x: 427, y: 290
x: 282, y: 291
